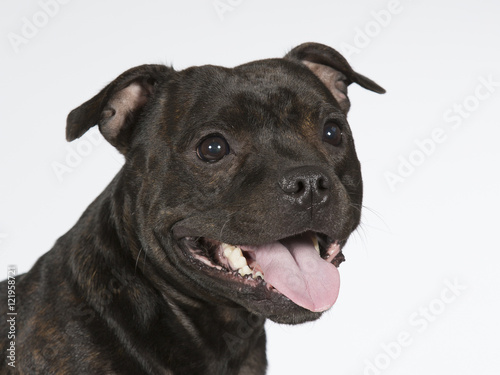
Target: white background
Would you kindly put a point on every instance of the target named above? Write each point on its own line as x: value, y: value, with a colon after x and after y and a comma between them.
x: 439, y: 227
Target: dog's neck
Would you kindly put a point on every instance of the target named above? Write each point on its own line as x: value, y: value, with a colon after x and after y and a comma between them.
x: 105, y: 266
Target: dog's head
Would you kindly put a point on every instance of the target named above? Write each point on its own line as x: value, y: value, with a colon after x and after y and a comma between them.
x: 241, y: 186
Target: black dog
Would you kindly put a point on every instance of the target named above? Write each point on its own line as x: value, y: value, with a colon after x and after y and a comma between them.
x: 260, y: 157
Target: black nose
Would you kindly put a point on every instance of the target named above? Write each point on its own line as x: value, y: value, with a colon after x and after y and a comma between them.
x: 306, y: 186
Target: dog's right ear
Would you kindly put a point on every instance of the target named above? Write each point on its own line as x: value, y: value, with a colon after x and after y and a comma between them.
x: 117, y: 107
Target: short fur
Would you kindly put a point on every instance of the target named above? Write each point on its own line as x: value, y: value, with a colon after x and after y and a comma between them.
x: 119, y: 293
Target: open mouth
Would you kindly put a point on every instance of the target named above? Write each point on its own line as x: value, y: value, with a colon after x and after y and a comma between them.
x: 302, y: 267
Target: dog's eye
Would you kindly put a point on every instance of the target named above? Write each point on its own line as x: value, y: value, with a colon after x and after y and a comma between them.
x: 332, y: 134
x: 212, y: 148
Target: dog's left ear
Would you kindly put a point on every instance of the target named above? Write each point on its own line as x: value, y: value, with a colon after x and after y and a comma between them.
x: 117, y: 107
x: 333, y: 70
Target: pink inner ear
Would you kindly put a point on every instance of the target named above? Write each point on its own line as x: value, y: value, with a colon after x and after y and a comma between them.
x: 334, y: 81
x: 125, y: 102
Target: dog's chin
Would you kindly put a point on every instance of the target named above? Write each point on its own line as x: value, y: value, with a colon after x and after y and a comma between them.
x: 232, y: 273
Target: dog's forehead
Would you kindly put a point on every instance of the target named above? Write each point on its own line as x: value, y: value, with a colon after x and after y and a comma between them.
x: 265, y: 92
x: 258, y: 79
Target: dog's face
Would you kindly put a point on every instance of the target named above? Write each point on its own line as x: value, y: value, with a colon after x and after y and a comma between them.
x: 241, y: 185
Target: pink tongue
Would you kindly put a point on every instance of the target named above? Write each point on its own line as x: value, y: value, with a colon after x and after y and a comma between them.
x: 295, y: 268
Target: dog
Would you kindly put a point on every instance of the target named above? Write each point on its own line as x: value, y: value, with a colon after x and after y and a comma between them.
x: 239, y: 191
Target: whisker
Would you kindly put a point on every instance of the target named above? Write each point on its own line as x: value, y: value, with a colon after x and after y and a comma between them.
x: 144, y: 263
x: 137, y: 260
x: 378, y: 216
x: 225, y: 223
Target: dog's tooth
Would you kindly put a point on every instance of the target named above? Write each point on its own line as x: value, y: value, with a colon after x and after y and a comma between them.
x: 236, y: 259
x: 315, y: 243
x: 227, y: 246
x: 245, y: 270
x: 258, y: 274
x: 227, y: 250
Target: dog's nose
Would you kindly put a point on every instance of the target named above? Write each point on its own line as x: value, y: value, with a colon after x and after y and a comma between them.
x: 306, y: 186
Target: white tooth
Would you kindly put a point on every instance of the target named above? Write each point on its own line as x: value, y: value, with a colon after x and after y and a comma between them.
x: 236, y: 259
x: 227, y: 249
x: 257, y: 274
x: 315, y: 243
x: 245, y: 270
x: 227, y: 246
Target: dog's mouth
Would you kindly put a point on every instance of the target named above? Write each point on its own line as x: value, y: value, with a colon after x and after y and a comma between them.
x: 302, y: 267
